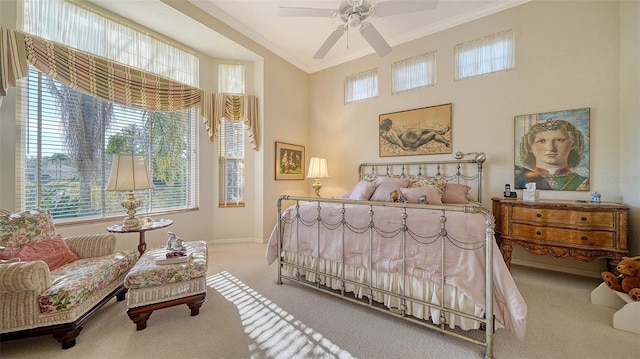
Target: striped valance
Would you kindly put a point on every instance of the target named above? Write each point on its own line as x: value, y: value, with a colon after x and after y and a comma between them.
x: 117, y: 82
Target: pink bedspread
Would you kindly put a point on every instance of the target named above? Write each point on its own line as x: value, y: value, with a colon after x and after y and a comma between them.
x: 464, y: 253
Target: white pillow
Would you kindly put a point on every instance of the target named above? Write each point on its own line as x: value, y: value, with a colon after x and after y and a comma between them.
x: 363, y: 191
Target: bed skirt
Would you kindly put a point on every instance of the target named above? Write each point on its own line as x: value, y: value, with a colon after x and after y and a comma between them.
x: 421, y: 299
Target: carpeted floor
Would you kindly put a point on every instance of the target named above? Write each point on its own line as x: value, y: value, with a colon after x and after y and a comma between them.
x: 247, y: 315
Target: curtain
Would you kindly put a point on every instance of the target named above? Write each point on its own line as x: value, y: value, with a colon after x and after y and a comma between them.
x: 114, y: 81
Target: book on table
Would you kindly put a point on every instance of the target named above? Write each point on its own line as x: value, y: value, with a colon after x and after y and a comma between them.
x: 162, y: 259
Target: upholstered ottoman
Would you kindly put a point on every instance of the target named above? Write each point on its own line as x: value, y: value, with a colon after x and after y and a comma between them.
x: 155, y: 286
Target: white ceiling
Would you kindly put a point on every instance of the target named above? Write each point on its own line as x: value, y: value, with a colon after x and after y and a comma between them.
x: 292, y: 38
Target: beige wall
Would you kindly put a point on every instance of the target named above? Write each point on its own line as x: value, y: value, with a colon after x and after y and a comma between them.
x: 567, y: 57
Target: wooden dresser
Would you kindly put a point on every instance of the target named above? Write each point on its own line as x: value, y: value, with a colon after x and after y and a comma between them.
x: 584, y: 231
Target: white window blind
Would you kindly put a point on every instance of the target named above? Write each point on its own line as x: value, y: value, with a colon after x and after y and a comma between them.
x: 485, y: 55
x: 361, y: 86
x: 414, y: 73
x: 67, y: 138
x: 232, y: 137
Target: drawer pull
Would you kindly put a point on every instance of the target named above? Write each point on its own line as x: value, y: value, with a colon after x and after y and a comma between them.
x: 584, y: 238
x: 539, y: 233
x: 583, y: 219
x: 538, y: 215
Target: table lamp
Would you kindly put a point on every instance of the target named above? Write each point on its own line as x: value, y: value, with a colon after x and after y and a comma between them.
x: 129, y: 173
x: 318, y: 169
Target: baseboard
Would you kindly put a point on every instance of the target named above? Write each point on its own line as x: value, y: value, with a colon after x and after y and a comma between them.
x: 575, y: 271
x: 238, y: 240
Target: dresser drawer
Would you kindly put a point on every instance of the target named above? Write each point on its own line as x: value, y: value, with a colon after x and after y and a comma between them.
x: 561, y: 216
x: 562, y: 235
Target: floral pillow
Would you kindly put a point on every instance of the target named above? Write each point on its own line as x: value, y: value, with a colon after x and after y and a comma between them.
x: 19, y: 229
x: 437, y: 182
x: 54, y: 252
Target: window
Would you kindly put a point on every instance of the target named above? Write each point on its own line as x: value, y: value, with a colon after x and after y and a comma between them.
x: 413, y: 73
x: 361, y: 86
x: 67, y: 138
x: 231, y: 150
x: 485, y: 55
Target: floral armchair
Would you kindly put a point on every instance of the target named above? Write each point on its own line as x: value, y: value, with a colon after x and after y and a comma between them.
x: 50, y: 284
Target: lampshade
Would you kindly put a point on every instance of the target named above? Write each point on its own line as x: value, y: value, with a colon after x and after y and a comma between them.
x: 318, y: 168
x: 129, y: 172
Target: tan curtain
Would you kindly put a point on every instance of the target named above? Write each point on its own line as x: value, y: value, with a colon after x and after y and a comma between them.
x: 114, y: 81
x: 234, y: 108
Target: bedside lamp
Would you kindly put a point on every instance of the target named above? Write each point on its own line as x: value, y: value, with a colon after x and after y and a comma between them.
x: 318, y: 169
x: 129, y: 173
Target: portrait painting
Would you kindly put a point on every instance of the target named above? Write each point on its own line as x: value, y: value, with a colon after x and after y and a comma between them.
x: 552, y: 150
x: 289, y: 161
x: 422, y: 131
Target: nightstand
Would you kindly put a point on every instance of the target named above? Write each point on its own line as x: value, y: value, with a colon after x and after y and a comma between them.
x: 581, y: 230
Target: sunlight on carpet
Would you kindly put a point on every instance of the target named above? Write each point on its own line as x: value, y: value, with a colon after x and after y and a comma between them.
x: 270, y: 328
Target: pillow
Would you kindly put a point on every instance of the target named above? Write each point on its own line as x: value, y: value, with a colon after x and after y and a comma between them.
x: 456, y: 193
x: 386, y: 185
x: 412, y: 195
x: 54, y: 252
x: 363, y: 191
x: 28, y: 227
x: 437, y: 182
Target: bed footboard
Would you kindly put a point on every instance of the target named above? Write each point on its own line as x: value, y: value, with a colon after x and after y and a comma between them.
x: 411, y: 261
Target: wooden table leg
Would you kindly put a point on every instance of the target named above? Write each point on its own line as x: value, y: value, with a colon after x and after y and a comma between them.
x: 142, y: 245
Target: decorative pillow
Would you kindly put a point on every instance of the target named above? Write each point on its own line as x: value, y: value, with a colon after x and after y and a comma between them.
x: 412, y: 195
x: 437, y: 182
x: 386, y: 185
x: 54, y: 252
x: 363, y: 191
x: 29, y: 227
x: 456, y: 193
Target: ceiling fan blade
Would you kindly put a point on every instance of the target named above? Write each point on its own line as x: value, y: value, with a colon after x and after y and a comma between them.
x: 306, y: 11
x: 388, y: 8
x: 330, y: 41
x: 374, y: 39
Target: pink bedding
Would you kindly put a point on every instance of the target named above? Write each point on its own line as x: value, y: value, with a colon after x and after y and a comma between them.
x: 464, y: 268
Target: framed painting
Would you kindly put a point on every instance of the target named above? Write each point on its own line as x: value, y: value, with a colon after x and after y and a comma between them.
x: 552, y: 150
x: 289, y: 161
x: 422, y: 131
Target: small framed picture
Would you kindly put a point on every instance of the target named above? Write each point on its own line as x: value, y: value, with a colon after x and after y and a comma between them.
x: 289, y: 161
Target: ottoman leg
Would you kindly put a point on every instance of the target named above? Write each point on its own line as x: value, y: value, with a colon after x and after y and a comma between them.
x: 139, y: 316
x: 196, y: 304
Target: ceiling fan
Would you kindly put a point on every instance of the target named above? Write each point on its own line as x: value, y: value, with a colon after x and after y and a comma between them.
x: 353, y: 13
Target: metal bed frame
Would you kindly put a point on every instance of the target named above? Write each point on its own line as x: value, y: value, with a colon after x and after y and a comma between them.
x: 443, y: 168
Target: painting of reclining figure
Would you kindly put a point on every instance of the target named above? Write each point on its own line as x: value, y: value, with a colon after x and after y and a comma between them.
x: 422, y: 131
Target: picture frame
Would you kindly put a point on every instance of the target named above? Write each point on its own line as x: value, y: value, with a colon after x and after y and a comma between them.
x: 290, y: 161
x: 551, y: 149
x: 421, y: 131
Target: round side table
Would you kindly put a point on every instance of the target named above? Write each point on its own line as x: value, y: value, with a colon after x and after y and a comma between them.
x: 142, y: 245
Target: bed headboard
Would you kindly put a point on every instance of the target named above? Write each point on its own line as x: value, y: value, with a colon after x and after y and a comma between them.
x: 457, y: 170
